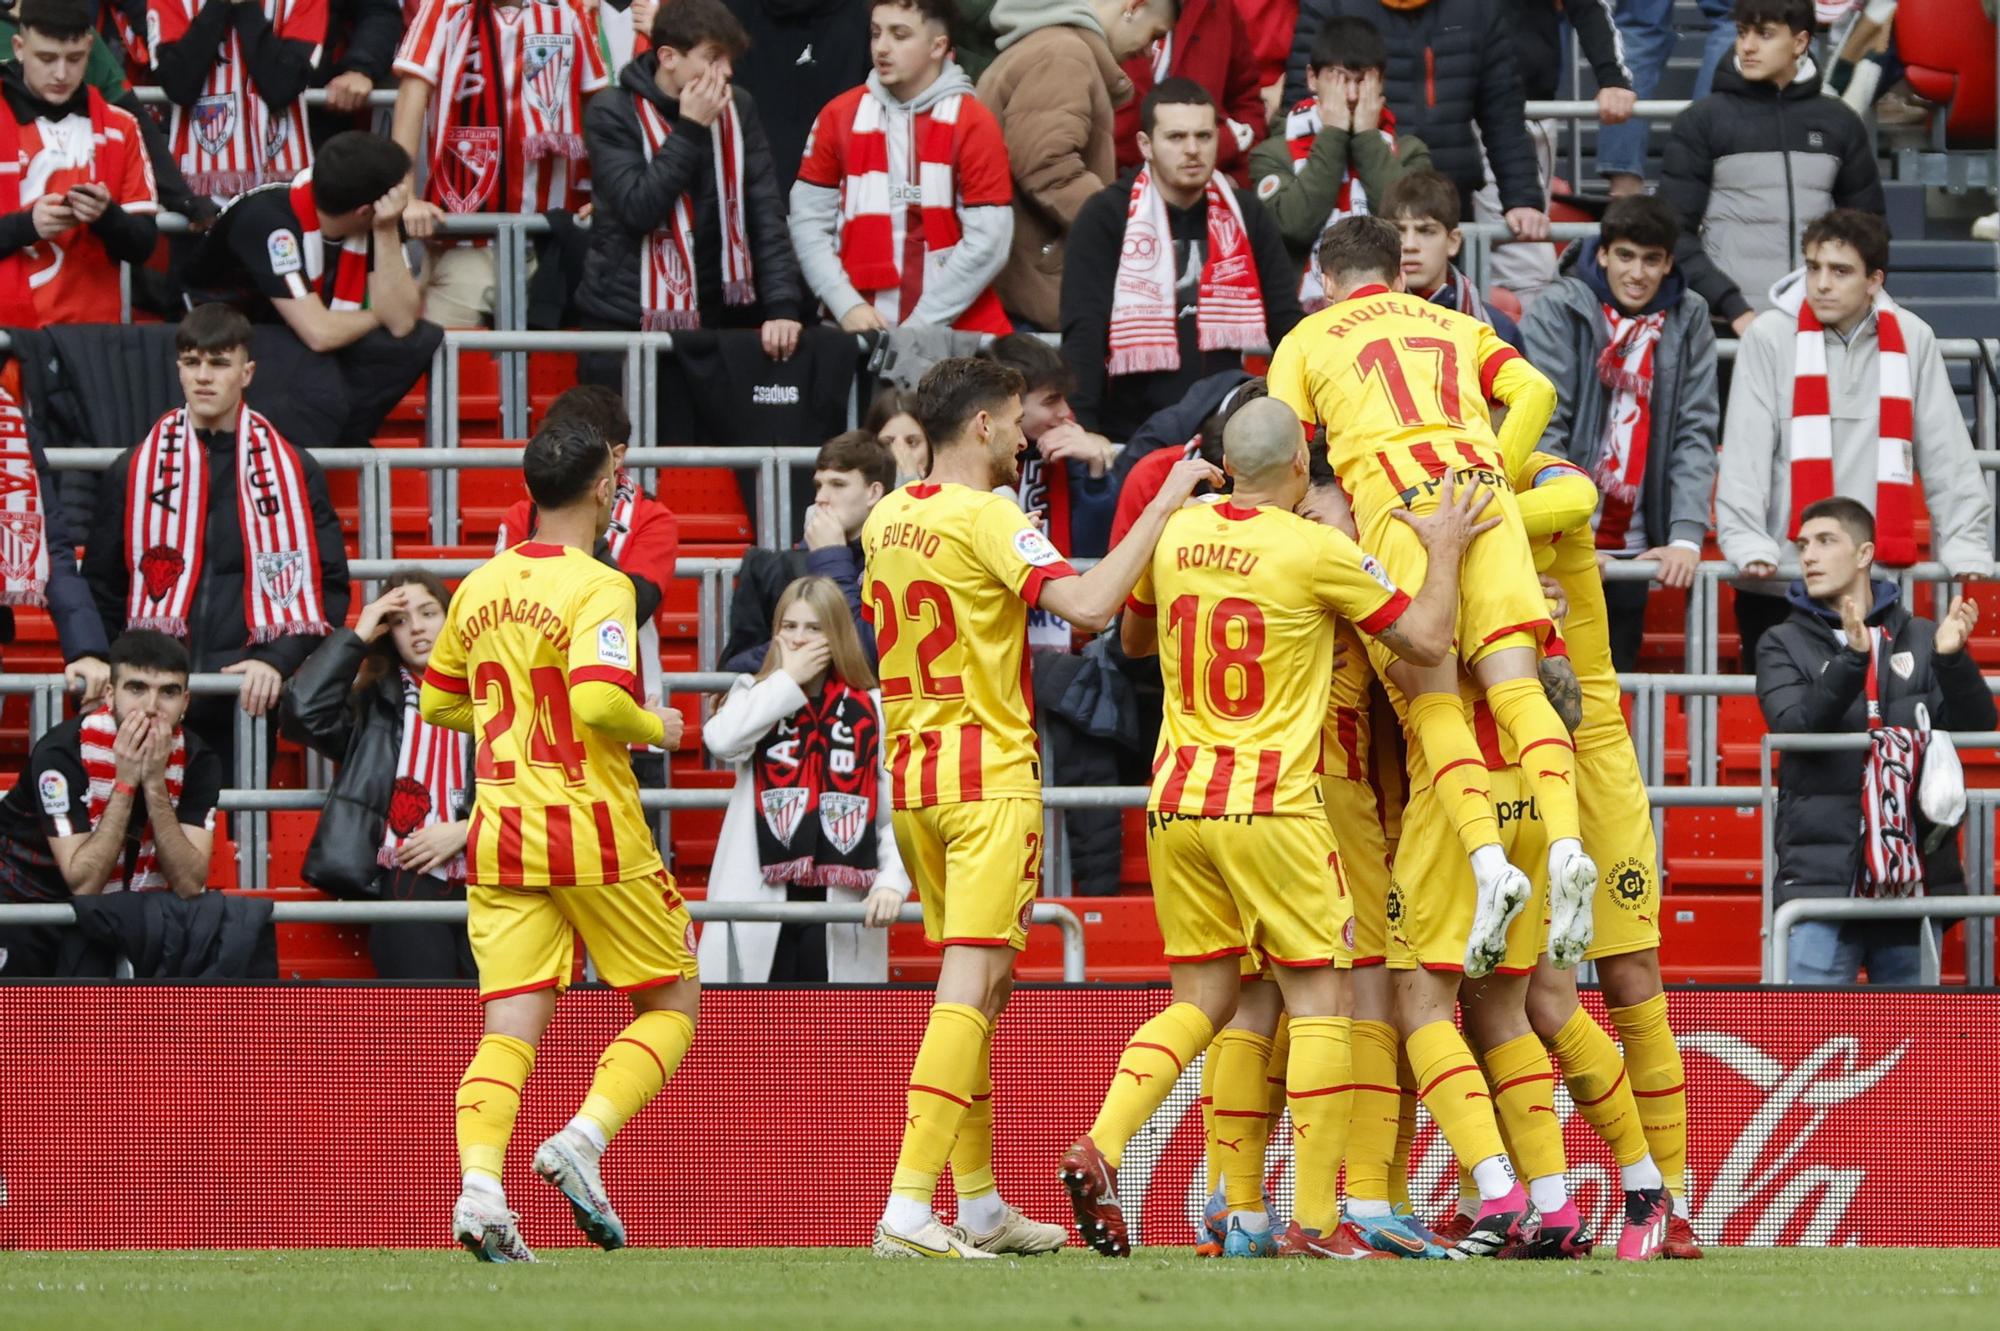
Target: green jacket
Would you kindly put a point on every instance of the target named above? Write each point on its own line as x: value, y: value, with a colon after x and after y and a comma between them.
x: 101, y: 71
x: 1301, y: 201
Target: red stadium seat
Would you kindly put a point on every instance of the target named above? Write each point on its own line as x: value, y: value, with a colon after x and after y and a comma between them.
x: 1947, y: 51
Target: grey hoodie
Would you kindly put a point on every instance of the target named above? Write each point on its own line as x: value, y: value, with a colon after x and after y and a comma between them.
x: 951, y: 283
x: 1753, y: 488
x: 1014, y: 19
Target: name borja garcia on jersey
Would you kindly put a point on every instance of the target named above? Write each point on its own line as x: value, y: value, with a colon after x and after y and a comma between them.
x: 526, y: 612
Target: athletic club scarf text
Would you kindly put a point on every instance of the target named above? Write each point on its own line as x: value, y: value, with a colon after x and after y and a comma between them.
x: 130, y: 873
x: 1626, y: 368
x: 1302, y: 129
x: 430, y: 778
x: 231, y: 139
x: 24, y: 545
x: 166, y: 515
x: 346, y: 288
x: 1229, y: 310
x: 814, y: 774
x: 667, y: 293
x: 1811, y: 447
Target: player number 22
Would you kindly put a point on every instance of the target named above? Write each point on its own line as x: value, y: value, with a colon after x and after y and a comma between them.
x: 1379, y: 358
x: 921, y: 600
x: 1234, y: 678
x: 552, y: 740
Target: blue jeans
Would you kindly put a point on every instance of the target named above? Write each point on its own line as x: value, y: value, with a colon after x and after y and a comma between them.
x: 1647, y: 27
x: 1721, y: 41
x: 1837, y: 951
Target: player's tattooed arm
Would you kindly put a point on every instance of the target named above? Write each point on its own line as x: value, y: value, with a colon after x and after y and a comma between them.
x: 1565, y: 694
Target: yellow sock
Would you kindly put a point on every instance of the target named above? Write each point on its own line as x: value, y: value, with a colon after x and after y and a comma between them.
x: 635, y: 1066
x: 489, y: 1096
x: 1449, y: 1083
x: 1406, y: 1132
x: 1595, y: 1075
x: 1152, y: 1062
x: 1524, y: 1096
x: 1207, y: 1105
x: 972, y: 1153
x: 1319, y: 1091
x: 941, y: 1082
x: 1378, y: 1112
x: 1458, y: 771
x: 1242, y: 1116
x: 1274, y: 1076
x: 1548, y: 758
x: 1659, y: 1085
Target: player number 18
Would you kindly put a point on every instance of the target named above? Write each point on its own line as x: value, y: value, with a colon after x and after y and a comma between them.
x: 1234, y: 677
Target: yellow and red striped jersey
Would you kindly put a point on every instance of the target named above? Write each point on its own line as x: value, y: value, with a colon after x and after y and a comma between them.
x: 1345, y: 748
x: 1246, y: 653
x: 557, y: 803
x: 951, y: 574
x: 1569, y: 555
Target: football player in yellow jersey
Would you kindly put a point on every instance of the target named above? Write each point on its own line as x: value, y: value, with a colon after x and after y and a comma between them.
x: 952, y: 571
x: 1636, y: 1102
x: 536, y: 658
x: 1401, y: 387
x: 1240, y: 600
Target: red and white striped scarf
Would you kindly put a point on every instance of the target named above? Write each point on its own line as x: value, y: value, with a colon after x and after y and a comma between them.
x: 231, y: 139
x: 1811, y: 448
x: 1302, y: 127
x: 486, y: 130
x: 24, y: 546
x: 667, y: 294
x: 1626, y: 368
x: 617, y: 536
x: 430, y: 779
x: 166, y: 516
x: 140, y: 873
x: 1229, y: 314
x: 346, y: 287
x: 889, y: 274
x: 1892, y: 860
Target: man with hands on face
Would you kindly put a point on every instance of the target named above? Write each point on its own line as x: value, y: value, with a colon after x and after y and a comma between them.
x: 117, y: 799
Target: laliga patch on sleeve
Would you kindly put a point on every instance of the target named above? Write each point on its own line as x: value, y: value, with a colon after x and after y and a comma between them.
x: 1034, y: 548
x: 1377, y: 572
x: 614, y: 648
x: 282, y: 248
x: 54, y: 788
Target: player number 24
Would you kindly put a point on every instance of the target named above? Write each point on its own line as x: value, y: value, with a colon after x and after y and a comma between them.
x: 552, y: 740
x: 1234, y: 677
x: 922, y: 600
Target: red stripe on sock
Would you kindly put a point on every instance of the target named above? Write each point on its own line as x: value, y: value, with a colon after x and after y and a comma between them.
x: 1443, y: 1077
x: 490, y: 1081
x: 942, y: 1095
x: 1674, y: 1089
x: 1324, y: 1090
x: 626, y: 1039
x: 1141, y: 1044
x: 1241, y: 1113
x: 1523, y: 1081
x: 1585, y: 1104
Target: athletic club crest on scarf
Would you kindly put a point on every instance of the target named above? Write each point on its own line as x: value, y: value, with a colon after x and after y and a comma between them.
x: 815, y: 786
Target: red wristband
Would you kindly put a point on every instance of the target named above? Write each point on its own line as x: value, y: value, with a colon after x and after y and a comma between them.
x: 120, y: 788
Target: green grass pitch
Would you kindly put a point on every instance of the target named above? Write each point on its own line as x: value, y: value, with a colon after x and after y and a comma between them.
x: 806, y: 1289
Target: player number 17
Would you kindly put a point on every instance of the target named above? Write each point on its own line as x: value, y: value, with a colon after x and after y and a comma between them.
x: 1380, y: 358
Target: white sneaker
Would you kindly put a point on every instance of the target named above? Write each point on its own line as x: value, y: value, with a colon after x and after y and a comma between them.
x: 488, y: 1230
x: 930, y: 1240
x: 1501, y: 896
x: 568, y: 1161
x: 1014, y: 1234
x: 1572, y: 890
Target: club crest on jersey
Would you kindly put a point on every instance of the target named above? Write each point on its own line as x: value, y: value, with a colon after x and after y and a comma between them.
x: 613, y: 647
x: 282, y: 575
x: 844, y: 818
x: 54, y: 790
x: 1903, y: 663
x: 20, y: 544
x: 214, y: 122
x: 470, y: 169
x: 281, y: 248
x: 1034, y: 548
x: 783, y: 807
x: 1374, y: 569
x: 546, y: 59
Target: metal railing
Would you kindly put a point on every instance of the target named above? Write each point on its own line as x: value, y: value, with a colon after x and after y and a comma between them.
x: 1930, y: 965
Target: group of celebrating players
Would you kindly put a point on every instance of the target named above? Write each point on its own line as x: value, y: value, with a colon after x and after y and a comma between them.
x: 1332, y: 717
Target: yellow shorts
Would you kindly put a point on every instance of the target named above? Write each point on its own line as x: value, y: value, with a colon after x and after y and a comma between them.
x: 1618, y: 835
x: 989, y: 852
x: 1500, y: 601
x: 1266, y: 888
x: 1431, y: 894
x: 1354, y: 809
x: 524, y: 938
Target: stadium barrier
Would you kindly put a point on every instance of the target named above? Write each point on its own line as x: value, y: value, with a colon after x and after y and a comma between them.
x: 1924, y: 909
x: 276, y: 1116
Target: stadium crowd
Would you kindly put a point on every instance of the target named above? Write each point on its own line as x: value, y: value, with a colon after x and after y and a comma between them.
x: 1121, y: 200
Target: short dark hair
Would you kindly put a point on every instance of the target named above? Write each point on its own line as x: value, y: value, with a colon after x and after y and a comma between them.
x: 595, y: 405
x: 1423, y: 193
x: 1865, y: 232
x: 1360, y: 246
x: 1851, y: 514
x: 149, y: 649
x: 1642, y: 220
x: 859, y: 450
x: 1795, y: 14
x: 890, y: 403
x: 564, y: 460
x: 353, y: 169
x: 212, y: 327
x: 941, y: 12
x: 64, y: 20
x: 688, y: 24
x: 1176, y: 91
x: 1040, y: 365
x: 1213, y: 424
x: 958, y: 388
x: 1349, y: 43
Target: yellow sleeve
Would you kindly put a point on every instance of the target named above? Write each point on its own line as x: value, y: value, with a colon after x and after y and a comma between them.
x: 1014, y: 550
x: 1142, y: 599
x: 1286, y: 379
x: 446, y: 699
x: 613, y: 712
x: 1505, y: 376
x: 603, y: 664
x: 1554, y: 495
x: 1354, y: 584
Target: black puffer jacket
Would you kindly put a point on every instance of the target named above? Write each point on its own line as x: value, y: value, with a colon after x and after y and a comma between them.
x: 1810, y: 682
x: 1451, y: 64
x: 635, y: 197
